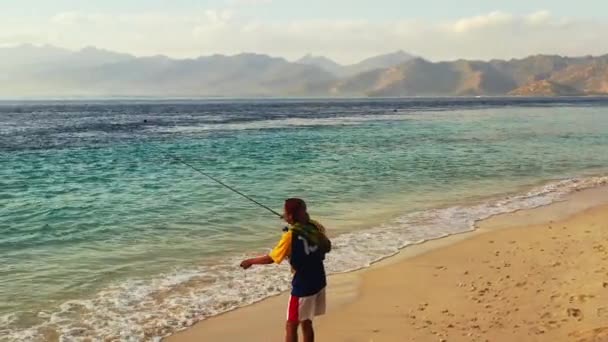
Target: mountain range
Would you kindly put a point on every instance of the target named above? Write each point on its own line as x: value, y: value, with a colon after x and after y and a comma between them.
x: 38, y: 71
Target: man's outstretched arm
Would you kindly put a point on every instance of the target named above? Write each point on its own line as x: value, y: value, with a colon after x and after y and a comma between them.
x: 262, y: 260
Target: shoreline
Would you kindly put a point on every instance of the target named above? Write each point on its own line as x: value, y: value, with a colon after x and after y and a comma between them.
x: 347, y: 289
x: 164, y: 316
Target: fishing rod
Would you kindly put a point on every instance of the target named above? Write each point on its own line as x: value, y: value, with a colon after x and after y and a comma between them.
x: 179, y: 160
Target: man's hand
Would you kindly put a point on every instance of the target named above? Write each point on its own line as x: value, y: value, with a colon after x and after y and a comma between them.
x: 262, y: 260
x: 246, y: 263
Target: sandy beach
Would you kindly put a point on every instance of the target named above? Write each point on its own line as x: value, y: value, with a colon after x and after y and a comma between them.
x: 533, y: 275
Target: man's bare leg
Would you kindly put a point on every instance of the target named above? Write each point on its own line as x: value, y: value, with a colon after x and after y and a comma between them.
x: 291, y: 332
x: 307, y: 331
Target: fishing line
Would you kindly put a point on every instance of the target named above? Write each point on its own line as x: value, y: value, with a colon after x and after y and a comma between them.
x: 179, y: 160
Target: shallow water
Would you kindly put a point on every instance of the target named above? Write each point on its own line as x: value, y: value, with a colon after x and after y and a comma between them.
x: 104, y: 236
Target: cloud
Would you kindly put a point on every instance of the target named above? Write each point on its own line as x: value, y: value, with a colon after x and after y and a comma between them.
x: 481, y: 22
x: 66, y: 18
x: 77, y: 19
x: 491, y: 35
x: 539, y: 18
x: 248, y: 2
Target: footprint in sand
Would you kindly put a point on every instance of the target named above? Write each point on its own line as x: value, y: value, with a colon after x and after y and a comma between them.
x: 581, y: 298
x: 537, y: 330
x: 574, y: 312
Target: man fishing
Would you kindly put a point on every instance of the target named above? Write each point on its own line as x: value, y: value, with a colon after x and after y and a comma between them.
x: 305, y: 244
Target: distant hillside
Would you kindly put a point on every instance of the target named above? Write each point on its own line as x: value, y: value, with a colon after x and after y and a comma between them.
x: 323, y: 63
x: 100, y: 73
x: 49, y: 71
x: 532, y: 76
x: 380, y: 62
x: 369, y: 64
x: 545, y: 88
x: 419, y: 77
x: 589, y: 78
x: 29, y: 58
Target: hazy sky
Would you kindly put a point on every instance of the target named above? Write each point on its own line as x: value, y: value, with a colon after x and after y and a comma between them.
x: 345, y: 30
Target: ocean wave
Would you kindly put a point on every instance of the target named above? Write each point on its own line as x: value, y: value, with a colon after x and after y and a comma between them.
x: 148, y: 309
x: 282, y: 123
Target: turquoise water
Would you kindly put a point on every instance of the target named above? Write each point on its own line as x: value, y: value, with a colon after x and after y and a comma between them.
x: 103, y: 236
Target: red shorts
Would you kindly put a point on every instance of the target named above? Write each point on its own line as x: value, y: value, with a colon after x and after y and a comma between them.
x: 306, y: 308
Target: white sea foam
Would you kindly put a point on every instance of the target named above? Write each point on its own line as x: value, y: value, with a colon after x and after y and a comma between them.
x: 147, y: 309
x: 283, y: 123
